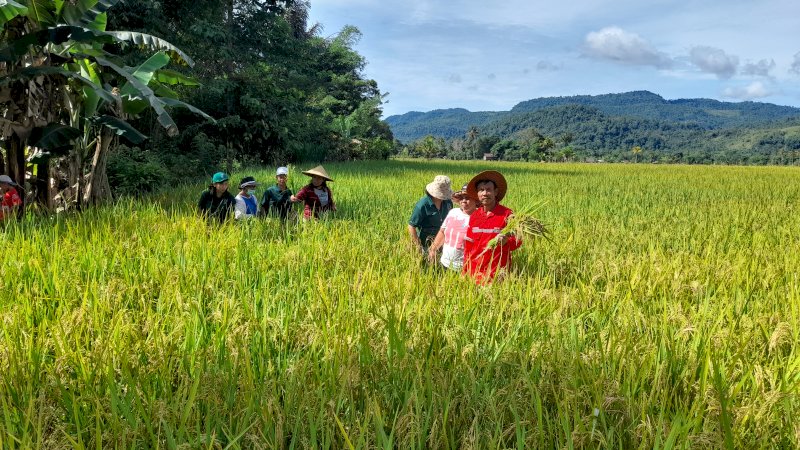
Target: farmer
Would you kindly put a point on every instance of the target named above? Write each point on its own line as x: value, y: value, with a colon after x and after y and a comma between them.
x: 429, y: 213
x: 11, y: 199
x: 217, y: 202
x: 316, y: 195
x: 277, y: 199
x: 246, y: 201
x: 453, y: 231
x: 486, y: 223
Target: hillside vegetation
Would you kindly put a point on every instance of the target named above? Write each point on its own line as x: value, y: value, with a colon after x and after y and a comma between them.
x: 610, y: 126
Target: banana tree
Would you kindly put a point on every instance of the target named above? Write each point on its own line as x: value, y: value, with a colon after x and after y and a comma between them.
x: 53, y: 66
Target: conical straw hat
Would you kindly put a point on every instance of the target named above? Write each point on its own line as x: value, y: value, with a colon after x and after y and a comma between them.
x: 318, y: 171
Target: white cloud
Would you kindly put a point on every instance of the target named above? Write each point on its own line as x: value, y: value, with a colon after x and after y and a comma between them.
x: 618, y: 45
x: 755, y: 89
x: 760, y: 69
x: 714, y: 60
x: 796, y: 64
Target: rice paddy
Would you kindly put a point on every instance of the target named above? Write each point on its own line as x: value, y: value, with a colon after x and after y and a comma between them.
x: 664, y: 313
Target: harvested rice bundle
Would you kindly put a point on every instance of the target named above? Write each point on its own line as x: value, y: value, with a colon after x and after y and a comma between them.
x: 522, y: 223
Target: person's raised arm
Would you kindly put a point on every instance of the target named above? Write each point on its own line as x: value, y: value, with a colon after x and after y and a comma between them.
x: 301, y: 195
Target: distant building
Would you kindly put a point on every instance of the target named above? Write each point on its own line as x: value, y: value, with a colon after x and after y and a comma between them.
x: 489, y: 157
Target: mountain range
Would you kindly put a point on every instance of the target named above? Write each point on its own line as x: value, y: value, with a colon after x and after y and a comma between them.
x: 600, y: 124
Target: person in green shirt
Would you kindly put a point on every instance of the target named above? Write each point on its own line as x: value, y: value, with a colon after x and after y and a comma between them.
x: 429, y: 213
x: 277, y: 199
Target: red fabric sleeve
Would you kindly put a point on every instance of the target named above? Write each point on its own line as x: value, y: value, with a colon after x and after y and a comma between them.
x: 302, y: 194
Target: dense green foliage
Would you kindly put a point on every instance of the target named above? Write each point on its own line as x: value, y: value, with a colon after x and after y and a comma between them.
x: 609, y: 126
x: 279, y: 91
x: 705, y: 113
x: 664, y: 314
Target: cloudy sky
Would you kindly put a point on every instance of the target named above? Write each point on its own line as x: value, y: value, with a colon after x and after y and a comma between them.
x: 479, y: 55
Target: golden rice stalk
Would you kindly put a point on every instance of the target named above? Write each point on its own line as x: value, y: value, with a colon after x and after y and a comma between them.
x: 522, y: 223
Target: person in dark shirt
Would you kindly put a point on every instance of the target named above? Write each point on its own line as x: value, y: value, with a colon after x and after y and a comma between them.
x: 217, y: 203
x: 277, y: 200
x: 429, y: 213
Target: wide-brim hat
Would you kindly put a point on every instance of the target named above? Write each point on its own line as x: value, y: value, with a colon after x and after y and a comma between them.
x: 318, y: 171
x: 488, y: 175
x: 7, y: 180
x: 440, y: 187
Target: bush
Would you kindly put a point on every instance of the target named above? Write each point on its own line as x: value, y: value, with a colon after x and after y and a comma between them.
x: 133, y: 171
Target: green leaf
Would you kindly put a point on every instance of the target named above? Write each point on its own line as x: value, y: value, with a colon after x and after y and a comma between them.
x: 100, y: 23
x: 54, y: 137
x: 147, y: 94
x: 172, y: 78
x: 121, y: 128
x: 147, y: 69
x: 162, y: 91
x: 87, y: 13
x: 41, y: 12
x: 151, y: 42
x: 179, y: 104
x: 10, y: 9
x: 90, y: 99
x: 32, y: 72
x: 143, y: 73
x: 57, y: 36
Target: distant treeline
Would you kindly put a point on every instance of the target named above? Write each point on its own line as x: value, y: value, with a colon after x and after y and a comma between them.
x: 637, y: 126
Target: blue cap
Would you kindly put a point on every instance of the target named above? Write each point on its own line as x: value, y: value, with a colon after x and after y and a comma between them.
x: 219, y: 177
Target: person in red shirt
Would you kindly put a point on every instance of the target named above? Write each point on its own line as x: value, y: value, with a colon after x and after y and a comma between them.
x: 486, y: 223
x: 11, y: 199
x: 316, y: 195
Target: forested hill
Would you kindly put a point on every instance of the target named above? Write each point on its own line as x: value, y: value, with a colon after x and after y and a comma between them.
x: 601, y: 122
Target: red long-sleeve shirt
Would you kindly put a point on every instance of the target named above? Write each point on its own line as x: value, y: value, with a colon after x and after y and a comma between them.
x: 313, y: 206
x: 483, y: 227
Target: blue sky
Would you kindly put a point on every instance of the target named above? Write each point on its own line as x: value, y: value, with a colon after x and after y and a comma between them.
x: 488, y: 56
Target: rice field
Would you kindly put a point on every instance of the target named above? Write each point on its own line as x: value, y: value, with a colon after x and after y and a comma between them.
x: 664, y: 314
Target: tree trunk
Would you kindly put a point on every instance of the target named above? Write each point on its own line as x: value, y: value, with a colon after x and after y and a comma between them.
x: 76, y: 177
x: 43, y: 194
x: 2, y: 158
x: 97, y: 188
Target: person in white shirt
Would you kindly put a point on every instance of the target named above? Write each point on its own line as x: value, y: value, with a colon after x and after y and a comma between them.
x: 453, y: 231
x: 246, y: 201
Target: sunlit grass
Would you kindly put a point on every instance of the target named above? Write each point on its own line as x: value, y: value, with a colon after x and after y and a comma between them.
x: 668, y: 303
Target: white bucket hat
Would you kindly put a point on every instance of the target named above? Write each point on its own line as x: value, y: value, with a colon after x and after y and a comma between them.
x: 440, y: 187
